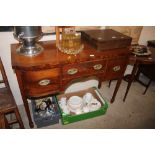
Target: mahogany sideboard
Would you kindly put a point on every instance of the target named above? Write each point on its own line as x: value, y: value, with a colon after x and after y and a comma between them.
x: 52, y: 71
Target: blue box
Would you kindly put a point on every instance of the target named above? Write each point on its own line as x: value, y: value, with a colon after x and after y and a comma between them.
x: 44, y: 119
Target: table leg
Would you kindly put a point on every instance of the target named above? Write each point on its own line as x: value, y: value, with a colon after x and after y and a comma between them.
x: 20, y: 82
x: 99, y: 84
x: 28, y: 112
x: 7, y: 126
x: 134, y: 70
x: 116, y: 89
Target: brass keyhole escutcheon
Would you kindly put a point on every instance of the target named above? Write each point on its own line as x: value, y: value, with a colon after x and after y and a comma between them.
x: 116, y: 68
x: 72, y: 71
x: 44, y: 82
x: 97, y: 66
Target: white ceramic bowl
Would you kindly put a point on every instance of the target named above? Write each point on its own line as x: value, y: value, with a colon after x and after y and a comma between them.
x: 75, y: 102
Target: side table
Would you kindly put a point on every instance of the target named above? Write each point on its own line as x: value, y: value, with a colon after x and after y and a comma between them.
x: 137, y: 60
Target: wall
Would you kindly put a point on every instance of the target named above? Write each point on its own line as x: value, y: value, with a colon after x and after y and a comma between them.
x: 132, y: 31
x: 6, y: 38
x: 148, y: 33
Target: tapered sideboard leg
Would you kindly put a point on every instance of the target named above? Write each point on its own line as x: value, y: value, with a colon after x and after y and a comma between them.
x: 116, y: 90
x: 28, y: 113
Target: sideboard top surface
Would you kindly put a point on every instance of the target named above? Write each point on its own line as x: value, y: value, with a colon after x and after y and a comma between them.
x: 51, y: 57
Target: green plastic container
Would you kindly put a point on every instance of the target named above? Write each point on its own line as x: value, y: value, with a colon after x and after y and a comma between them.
x: 66, y: 119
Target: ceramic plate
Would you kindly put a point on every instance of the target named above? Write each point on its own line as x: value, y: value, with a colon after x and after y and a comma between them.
x: 75, y: 102
x: 142, y: 54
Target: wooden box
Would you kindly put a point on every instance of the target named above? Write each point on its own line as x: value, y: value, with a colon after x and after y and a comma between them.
x: 106, y: 39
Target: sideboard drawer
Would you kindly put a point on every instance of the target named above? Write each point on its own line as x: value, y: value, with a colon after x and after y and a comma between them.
x: 116, y: 68
x: 84, y: 69
x: 38, y: 83
x: 32, y: 76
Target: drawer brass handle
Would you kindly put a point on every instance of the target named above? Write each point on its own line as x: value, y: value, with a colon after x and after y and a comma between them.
x: 44, y: 82
x: 97, y: 66
x: 72, y: 71
x: 116, y: 68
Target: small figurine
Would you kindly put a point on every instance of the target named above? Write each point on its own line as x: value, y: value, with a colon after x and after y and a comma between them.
x: 44, y: 107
